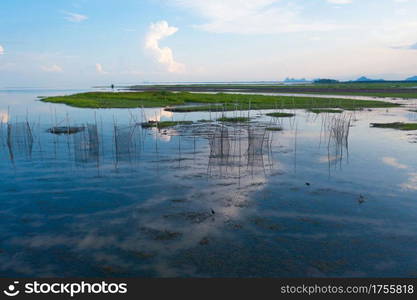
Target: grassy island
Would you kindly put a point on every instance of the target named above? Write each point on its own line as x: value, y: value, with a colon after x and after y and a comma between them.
x: 396, y: 125
x: 189, y: 102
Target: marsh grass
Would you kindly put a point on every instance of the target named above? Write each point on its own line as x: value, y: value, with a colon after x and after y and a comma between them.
x: 338, y: 129
x: 396, y: 125
x: 280, y: 115
x: 165, y: 124
x: 190, y: 102
x: 234, y: 119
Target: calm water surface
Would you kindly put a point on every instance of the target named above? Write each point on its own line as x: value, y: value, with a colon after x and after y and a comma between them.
x: 204, y: 200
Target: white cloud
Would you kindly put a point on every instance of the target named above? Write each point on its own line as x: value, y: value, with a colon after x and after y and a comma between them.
x: 52, y: 69
x: 391, y: 161
x: 339, y: 1
x: 164, y: 55
x: 252, y: 16
x: 73, y: 17
x: 1, y: 50
x: 397, y: 35
x: 100, y: 70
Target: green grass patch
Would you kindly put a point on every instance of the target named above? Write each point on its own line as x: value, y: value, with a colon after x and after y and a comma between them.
x: 396, y: 125
x: 280, y: 115
x: 165, y: 124
x: 330, y: 111
x: 234, y: 119
x: 176, y: 102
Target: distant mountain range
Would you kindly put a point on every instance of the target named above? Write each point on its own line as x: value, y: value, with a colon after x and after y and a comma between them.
x: 363, y: 79
x: 414, y: 78
x: 360, y: 79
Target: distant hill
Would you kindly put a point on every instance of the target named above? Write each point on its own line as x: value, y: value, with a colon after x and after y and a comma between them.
x: 414, y: 78
x: 363, y: 79
x: 295, y: 80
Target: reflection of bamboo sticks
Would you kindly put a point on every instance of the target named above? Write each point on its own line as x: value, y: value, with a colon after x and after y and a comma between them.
x: 29, y: 139
x: 194, y: 145
x: 2, y: 130
x: 338, y: 134
x: 295, y: 147
x: 179, y: 151
x: 97, y: 140
x: 39, y: 138
x: 68, y: 132
x: 240, y: 159
x: 54, y: 122
x: 18, y: 136
x: 115, y: 143
x: 92, y: 144
x: 9, y: 141
x: 102, y: 135
x: 156, y: 142
x: 227, y: 156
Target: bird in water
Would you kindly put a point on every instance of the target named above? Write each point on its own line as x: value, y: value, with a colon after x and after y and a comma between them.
x: 361, y: 199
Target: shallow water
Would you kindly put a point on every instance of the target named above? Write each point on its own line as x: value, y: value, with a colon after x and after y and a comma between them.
x: 204, y: 200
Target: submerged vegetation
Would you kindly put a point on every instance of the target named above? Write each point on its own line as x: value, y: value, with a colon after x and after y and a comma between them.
x: 189, y: 102
x: 165, y: 124
x: 280, y: 115
x: 234, y: 119
x: 330, y: 111
x: 274, y: 129
x: 65, y: 129
x: 396, y: 125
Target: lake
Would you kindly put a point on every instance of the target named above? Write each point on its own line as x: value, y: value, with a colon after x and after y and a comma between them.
x: 317, y: 195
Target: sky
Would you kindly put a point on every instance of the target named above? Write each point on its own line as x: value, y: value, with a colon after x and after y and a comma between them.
x: 81, y: 43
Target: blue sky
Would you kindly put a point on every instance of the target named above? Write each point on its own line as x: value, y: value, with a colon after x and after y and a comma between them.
x: 92, y: 42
